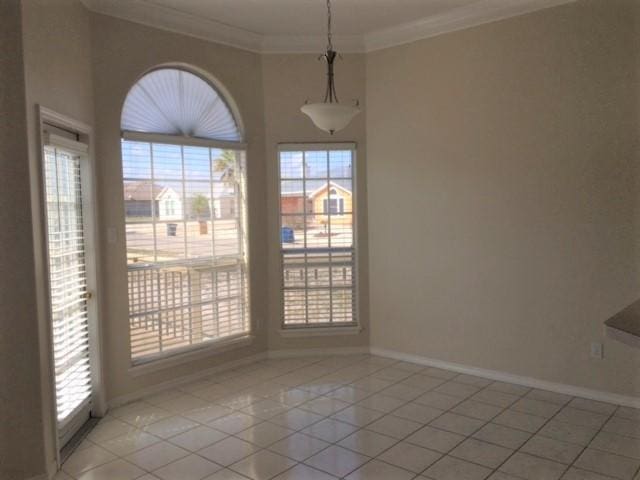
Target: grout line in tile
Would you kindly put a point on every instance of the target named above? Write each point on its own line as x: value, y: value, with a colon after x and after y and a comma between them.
x: 348, y: 381
x: 590, y: 442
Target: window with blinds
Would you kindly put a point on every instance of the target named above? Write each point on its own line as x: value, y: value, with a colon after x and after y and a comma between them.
x: 67, y: 281
x: 187, y: 270
x: 183, y: 165
x: 317, y: 203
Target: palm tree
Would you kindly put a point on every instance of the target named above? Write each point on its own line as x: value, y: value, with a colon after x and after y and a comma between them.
x: 226, y: 163
x: 200, y: 206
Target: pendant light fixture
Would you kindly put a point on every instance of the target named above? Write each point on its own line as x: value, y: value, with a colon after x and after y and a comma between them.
x: 329, y: 115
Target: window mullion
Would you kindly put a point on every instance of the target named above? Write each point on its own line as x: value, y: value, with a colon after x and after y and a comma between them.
x: 237, y: 213
x: 329, y: 254
x: 212, y: 206
x: 184, y: 202
x: 153, y: 202
x: 306, y: 252
x: 160, y: 309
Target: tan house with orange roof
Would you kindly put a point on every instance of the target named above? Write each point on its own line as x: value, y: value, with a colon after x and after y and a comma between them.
x: 334, y: 200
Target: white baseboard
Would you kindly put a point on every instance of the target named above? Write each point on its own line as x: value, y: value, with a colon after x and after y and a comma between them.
x: 316, y: 352
x: 177, y: 382
x: 573, y: 390
x: 598, y: 395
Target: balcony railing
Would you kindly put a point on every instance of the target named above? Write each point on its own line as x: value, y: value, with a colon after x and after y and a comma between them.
x: 319, y: 287
x: 174, y: 305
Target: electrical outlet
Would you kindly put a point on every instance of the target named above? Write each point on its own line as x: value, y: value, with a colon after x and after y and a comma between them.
x: 597, y: 350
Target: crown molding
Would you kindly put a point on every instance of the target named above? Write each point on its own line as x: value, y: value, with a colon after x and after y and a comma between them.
x: 176, y: 21
x: 173, y: 20
x: 478, y: 13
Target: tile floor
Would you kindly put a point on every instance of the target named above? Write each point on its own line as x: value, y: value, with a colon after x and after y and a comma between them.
x: 359, y: 417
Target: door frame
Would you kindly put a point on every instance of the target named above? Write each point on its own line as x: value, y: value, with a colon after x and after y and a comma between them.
x: 91, y: 232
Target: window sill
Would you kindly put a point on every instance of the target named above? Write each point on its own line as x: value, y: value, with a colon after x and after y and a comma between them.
x: 160, y: 363
x: 293, y: 332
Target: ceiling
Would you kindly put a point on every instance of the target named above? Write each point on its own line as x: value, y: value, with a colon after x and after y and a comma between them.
x: 300, y: 25
x: 307, y: 17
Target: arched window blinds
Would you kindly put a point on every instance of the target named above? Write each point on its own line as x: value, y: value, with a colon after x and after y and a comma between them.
x: 171, y: 101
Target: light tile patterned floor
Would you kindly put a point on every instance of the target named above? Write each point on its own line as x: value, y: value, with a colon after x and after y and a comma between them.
x: 359, y: 417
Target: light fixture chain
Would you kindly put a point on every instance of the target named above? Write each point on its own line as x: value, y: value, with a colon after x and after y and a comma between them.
x: 329, y: 42
x: 329, y: 115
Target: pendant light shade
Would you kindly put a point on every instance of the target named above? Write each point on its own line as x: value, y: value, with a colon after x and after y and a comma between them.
x: 330, y: 117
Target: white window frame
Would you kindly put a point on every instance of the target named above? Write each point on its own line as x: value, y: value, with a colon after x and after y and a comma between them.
x: 177, y: 356
x: 303, y: 330
x: 49, y: 118
x: 209, y: 348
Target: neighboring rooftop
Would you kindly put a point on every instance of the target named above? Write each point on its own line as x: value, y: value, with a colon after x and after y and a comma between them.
x: 142, y: 191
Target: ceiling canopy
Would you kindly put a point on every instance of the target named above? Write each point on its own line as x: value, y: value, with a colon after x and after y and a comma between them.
x: 171, y: 101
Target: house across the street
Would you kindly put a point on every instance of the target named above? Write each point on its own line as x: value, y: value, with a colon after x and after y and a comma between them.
x: 330, y: 198
x: 145, y: 199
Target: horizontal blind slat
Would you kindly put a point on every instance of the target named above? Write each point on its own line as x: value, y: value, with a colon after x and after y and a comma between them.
x: 185, y: 246
x: 67, y: 280
x: 317, y: 235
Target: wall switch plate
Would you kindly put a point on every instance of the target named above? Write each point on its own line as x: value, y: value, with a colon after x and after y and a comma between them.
x: 597, y: 350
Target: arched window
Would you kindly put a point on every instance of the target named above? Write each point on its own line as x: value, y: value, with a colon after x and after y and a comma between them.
x: 183, y: 164
x: 170, y: 101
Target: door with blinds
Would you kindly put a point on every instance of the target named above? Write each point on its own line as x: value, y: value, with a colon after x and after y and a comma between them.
x: 69, y: 292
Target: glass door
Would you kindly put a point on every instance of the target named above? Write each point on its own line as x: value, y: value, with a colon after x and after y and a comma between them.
x: 68, y: 287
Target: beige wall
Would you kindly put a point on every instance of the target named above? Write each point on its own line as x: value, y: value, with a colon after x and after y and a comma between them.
x: 500, y: 164
x: 21, y: 437
x: 636, y: 49
x: 501, y: 194
x: 112, y: 72
x: 268, y: 91
x: 57, y: 69
x: 289, y: 80
x: 122, y: 52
